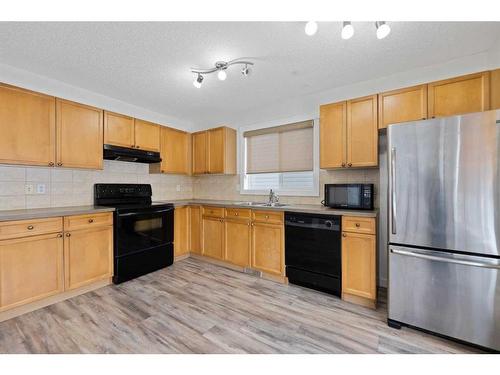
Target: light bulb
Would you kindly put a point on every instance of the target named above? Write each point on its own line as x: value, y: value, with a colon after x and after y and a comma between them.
x: 383, y: 29
x: 197, y: 82
x: 347, y: 30
x: 222, y: 75
x: 311, y: 28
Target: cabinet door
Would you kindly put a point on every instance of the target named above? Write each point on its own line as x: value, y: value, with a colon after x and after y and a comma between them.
x: 408, y: 104
x: 216, y: 150
x: 267, y: 248
x: 195, y: 232
x: 27, y: 127
x: 459, y: 95
x: 181, y: 231
x: 358, y: 265
x: 79, y: 135
x: 213, y: 237
x: 362, y: 132
x: 118, y: 130
x: 147, y: 135
x: 199, y: 152
x: 174, y: 151
x: 495, y: 89
x: 88, y: 256
x: 332, y: 135
x: 31, y: 268
x: 237, y: 242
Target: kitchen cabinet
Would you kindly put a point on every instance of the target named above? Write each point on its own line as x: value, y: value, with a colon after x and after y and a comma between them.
x: 27, y: 127
x: 79, y: 130
x: 181, y: 231
x: 175, y: 151
x: 214, y: 151
x: 213, y: 237
x: 408, y: 104
x: 238, y: 232
x: 348, y: 134
x: 195, y: 229
x: 147, y: 135
x: 332, y: 138
x: 119, y: 130
x: 268, y: 242
x: 495, y: 89
x: 459, y: 95
x: 31, y: 268
x: 359, y: 261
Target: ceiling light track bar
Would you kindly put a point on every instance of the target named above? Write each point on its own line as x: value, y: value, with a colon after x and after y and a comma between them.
x: 221, y: 65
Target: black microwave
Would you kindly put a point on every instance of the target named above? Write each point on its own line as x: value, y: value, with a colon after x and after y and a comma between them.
x: 349, y: 196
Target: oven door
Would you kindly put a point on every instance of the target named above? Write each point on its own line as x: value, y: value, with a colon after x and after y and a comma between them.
x: 142, y: 229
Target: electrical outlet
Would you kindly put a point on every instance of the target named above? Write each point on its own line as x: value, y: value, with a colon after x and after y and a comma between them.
x: 178, y: 188
x: 29, y: 189
x: 40, y: 188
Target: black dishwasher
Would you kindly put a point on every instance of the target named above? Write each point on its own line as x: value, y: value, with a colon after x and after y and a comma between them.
x: 313, y: 251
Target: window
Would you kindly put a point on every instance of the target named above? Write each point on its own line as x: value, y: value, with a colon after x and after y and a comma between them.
x: 281, y: 158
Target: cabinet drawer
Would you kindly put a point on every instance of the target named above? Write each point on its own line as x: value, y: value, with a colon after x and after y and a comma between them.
x: 358, y: 224
x: 87, y: 221
x: 213, y: 211
x: 275, y: 217
x: 24, y: 228
x: 238, y: 213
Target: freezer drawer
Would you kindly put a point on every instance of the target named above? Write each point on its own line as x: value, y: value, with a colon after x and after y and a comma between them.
x: 450, y: 294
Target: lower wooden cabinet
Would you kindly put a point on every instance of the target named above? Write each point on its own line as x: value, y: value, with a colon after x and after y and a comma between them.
x: 88, y: 256
x: 213, y: 237
x: 237, y: 242
x: 31, y: 268
x: 358, y: 264
x: 267, y: 248
x: 181, y: 231
x: 195, y: 229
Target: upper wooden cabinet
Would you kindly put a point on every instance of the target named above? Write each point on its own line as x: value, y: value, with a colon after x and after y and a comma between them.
x: 408, y: 104
x: 455, y: 96
x: 147, y: 135
x: 119, y: 130
x: 79, y: 135
x: 495, y: 89
x: 348, y: 134
x: 175, y: 150
x: 27, y: 127
x: 214, y: 151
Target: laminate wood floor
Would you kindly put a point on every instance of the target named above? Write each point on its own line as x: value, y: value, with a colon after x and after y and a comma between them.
x: 197, y: 307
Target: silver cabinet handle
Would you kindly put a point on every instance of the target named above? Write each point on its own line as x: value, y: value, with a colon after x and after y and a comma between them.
x: 393, y: 190
x: 445, y: 259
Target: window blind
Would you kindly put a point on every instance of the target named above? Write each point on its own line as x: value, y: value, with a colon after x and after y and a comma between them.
x: 286, y: 148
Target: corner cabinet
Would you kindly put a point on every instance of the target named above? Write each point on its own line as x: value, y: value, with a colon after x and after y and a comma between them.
x: 349, y: 134
x: 79, y: 135
x: 214, y: 151
x: 147, y: 135
x: 175, y: 151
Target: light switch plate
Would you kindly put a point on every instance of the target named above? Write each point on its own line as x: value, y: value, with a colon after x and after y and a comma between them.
x: 29, y: 189
x: 178, y: 188
x: 40, y: 188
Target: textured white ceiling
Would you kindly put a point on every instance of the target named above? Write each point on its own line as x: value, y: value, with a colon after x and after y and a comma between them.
x: 147, y: 64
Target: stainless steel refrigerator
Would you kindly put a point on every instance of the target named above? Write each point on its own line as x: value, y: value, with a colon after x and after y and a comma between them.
x: 444, y: 226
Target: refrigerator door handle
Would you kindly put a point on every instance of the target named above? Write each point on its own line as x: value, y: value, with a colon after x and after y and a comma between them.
x: 392, y: 188
x: 446, y: 259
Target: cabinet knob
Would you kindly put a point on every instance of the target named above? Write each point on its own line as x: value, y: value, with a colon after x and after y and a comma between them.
x: 59, y: 235
x: 30, y: 227
x: 357, y: 225
x: 267, y: 216
x: 68, y: 234
x: 132, y: 146
x: 433, y: 117
x: 51, y: 164
x: 343, y: 165
x: 235, y: 214
x: 248, y: 224
x: 349, y: 165
x: 59, y: 164
x: 137, y: 146
x: 91, y: 221
x: 344, y: 235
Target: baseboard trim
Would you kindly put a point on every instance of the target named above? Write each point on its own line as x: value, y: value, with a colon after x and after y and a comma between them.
x: 20, y: 310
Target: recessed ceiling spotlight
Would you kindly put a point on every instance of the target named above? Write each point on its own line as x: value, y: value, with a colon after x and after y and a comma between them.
x: 311, y: 28
x: 220, y: 68
x: 347, y: 30
x: 383, y: 29
x: 197, y: 82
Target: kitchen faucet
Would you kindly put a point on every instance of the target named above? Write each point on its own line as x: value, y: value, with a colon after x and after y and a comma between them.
x: 273, y: 198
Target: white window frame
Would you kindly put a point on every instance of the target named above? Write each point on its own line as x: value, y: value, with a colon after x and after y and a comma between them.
x: 313, y: 192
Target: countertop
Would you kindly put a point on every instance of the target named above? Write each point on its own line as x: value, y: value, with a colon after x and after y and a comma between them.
x: 36, y: 213
x: 306, y: 208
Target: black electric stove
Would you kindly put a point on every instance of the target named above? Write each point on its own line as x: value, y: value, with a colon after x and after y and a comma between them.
x: 143, y: 230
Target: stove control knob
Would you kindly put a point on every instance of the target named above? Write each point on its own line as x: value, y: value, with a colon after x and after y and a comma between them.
x: 328, y: 224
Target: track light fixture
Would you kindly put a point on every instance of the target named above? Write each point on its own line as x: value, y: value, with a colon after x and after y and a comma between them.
x: 311, y: 28
x: 383, y: 29
x: 347, y: 30
x: 220, y: 68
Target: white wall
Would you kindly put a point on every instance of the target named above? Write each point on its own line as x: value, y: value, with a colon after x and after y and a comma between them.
x: 32, y: 81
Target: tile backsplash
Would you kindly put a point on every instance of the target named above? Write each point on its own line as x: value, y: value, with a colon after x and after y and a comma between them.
x: 54, y: 187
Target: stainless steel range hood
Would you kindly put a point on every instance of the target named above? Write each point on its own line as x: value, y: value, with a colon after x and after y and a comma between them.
x: 130, y: 154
